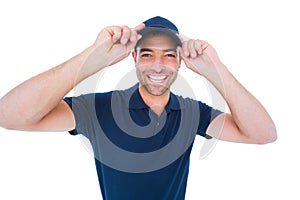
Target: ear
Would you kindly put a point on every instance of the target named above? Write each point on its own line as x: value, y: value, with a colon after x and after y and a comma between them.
x: 134, y: 56
x: 180, y: 59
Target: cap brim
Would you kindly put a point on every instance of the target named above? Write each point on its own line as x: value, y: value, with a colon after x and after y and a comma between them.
x: 150, y: 31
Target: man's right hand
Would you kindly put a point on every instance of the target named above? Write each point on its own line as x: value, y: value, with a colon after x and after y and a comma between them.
x: 113, y: 44
x: 37, y: 104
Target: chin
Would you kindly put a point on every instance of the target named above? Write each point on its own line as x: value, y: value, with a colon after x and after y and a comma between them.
x: 156, y: 90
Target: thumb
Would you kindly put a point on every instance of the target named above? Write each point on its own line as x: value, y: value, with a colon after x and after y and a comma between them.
x: 139, y: 27
x: 131, y: 44
x: 181, y: 53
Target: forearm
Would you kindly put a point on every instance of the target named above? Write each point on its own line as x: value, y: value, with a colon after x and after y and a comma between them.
x: 248, y: 113
x: 29, y: 102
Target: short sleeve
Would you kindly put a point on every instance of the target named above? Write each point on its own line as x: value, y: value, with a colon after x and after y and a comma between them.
x: 68, y: 100
x: 207, y: 115
x: 84, y: 109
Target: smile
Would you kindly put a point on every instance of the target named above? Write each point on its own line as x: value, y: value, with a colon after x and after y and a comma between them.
x: 157, y: 79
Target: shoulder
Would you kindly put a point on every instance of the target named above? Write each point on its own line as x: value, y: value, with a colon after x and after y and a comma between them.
x: 190, y: 104
x: 185, y: 102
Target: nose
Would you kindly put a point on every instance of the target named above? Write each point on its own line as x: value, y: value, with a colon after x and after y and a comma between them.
x: 158, y: 64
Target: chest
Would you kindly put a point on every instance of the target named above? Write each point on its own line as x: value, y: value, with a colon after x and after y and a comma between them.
x: 140, y: 130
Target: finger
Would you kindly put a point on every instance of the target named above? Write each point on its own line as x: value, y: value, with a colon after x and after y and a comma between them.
x: 116, y: 33
x: 198, y: 47
x: 130, y: 45
x: 191, y: 49
x: 139, y: 27
x: 185, y: 49
x: 136, y: 29
x: 125, y: 35
x: 204, y: 44
x: 184, y: 40
x: 186, y: 60
x: 133, y: 35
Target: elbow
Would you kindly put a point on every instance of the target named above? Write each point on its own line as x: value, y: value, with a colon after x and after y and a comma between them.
x: 269, y: 136
x: 267, y: 140
x: 3, y: 121
x: 11, y: 122
x: 6, y: 126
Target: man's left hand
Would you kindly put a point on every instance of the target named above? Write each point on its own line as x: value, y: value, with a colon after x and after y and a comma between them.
x: 199, y: 56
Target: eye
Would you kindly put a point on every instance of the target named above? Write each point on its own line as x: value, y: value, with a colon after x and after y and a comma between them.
x: 170, y: 55
x: 146, y: 55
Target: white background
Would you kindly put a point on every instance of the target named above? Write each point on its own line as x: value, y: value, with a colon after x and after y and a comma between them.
x: 258, y: 40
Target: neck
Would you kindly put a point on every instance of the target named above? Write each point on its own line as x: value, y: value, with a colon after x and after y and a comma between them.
x: 156, y: 103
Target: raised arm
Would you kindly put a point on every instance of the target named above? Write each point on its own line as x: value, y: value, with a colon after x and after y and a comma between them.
x: 248, y: 121
x: 37, y: 104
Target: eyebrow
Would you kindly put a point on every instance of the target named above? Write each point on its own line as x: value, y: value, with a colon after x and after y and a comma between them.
x: 151, y: 50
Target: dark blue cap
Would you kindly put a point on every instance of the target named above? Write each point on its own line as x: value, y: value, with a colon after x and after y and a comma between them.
x: 159, y: 25
x: 161, y: 22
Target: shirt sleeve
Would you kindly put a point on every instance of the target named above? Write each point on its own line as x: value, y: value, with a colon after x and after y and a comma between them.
x: 68, y: 100
x: 84, y: 108
x: 207, y: 115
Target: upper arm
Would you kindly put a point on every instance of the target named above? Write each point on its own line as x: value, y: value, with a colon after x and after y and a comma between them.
x: 224, y: 128
x: 61, y: 118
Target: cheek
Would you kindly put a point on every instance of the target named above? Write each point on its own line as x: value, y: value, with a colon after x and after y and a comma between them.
x: 139, y: 67
x: 139, y: 72
x: 173, y: 67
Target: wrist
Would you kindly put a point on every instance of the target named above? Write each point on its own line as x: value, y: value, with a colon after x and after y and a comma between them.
x: 217, y: 77
x: 92, y: 61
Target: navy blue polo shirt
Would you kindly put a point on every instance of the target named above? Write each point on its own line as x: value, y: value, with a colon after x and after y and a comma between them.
x: 140, y: 155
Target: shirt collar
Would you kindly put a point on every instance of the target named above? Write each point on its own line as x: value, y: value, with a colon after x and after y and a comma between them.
x: 136, y: 101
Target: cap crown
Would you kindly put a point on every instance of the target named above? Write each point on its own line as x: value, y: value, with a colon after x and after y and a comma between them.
x: 160, y: 22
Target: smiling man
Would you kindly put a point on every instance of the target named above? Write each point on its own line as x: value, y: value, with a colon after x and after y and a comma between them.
x: 157, y: 63
x: 142, y: 136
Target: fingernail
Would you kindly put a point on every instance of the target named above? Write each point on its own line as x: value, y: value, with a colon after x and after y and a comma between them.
x: 186, y: 53
x: 124, y: 40
x: 132, y: 38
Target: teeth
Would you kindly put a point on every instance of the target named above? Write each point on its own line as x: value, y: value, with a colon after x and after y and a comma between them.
x: 157, y: 78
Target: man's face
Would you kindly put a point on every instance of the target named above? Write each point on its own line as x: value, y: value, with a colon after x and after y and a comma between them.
x: 157, y: 63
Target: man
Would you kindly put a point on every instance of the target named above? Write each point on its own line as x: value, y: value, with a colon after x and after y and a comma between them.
x: 142, y: 136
